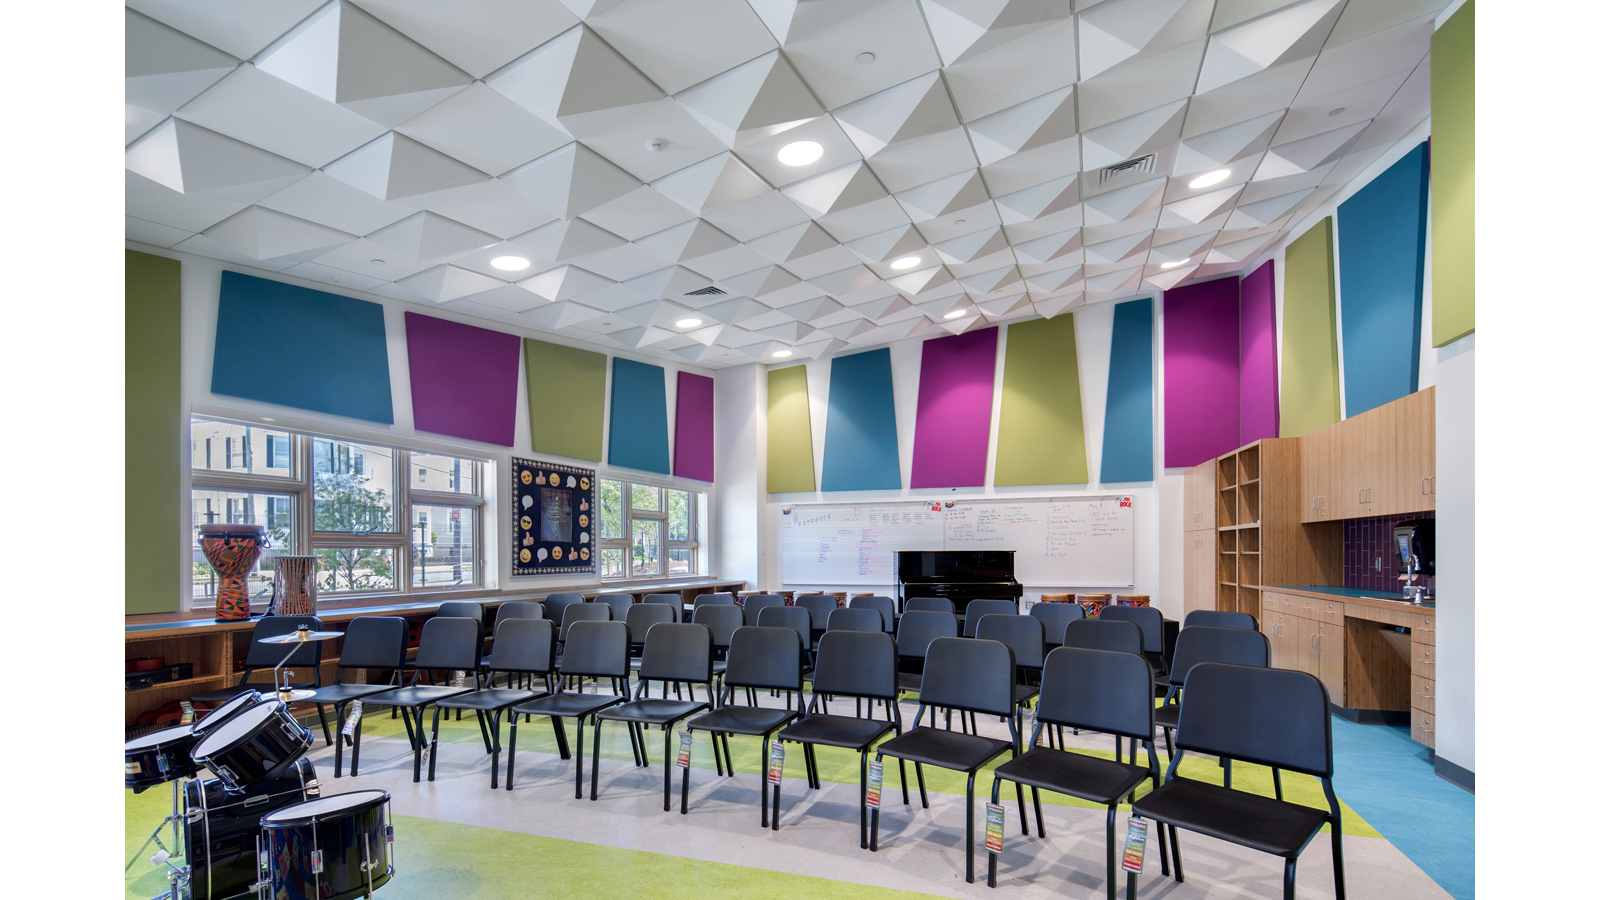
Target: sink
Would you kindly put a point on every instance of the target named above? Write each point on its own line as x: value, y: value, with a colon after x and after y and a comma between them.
x: 1428, y: 605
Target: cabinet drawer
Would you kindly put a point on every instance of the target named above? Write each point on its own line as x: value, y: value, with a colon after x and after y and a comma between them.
x: 1422, y: 659
x: 1422, y: 629
x: 1422, y: 726
x: 1422, y: 693
x: 1329, y: 611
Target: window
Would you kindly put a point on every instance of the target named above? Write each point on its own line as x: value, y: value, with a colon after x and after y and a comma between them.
x: 647, y: 531
x: 372, y: 530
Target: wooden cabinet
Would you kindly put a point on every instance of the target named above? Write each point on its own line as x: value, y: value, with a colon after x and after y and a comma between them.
x: 1306, y: 635
x: 1199, y: 570
x: 1423, y: 650
x: 1260, y: 537
x: 1200, y: 496
x: 1316, y: 475
x: 1378, y: 463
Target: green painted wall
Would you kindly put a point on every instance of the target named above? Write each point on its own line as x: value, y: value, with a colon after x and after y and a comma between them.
x: 154, y: 434
x: 789, y: 463
x: 1040, y: 440
x: 1309, y: 381
x: 566, y: 399
x: 1454, y: 202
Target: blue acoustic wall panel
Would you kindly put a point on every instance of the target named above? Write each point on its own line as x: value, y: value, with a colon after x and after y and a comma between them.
x: 1127, y: 452
x: 279, y: 343
x: 860, y: 451
x: 1382, y: 229
x: 638, y: 416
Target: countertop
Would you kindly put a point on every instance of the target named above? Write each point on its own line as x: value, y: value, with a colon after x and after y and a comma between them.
x: 1385, y: 599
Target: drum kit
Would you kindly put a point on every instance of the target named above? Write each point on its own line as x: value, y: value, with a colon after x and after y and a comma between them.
x: 264, y: 798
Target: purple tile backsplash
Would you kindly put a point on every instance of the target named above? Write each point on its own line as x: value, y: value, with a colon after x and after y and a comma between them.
x: 1369, y: 539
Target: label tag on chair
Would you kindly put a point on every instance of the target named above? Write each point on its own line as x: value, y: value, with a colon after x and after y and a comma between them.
x: 685, y: 742
x: 775, y: 763
x: 874, y: 783
x: 994, y: 828
x: 188, y: 712
x: 351, y: 720
x: 1133, y: 850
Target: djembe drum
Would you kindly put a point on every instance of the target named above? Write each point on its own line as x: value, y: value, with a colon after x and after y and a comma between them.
x: 232, y: 550
x: 295, y: 585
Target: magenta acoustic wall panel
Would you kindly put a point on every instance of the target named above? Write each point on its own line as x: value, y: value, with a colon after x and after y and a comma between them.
x: 463, y: 379
x: 1258, y: 355
x: 955, y: 397
x: 1200, y: 336
x: 694, y: 433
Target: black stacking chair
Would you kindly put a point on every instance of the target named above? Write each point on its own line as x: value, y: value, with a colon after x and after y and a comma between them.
x: 857, y: 619
x: 820, y: 606
x: 1271, y: 717
x: 761, y: 658
x: 1096, y: 690
x: 1056, y: 617
x: 797, y: 618
x: 1200, y: 644
x: 594, y: 649
x: 449, y: 643
x: 468, y: 609
x: 720, y: 598
x: 639, y: 618
x: 918, y: 628
x: 1151, y: 627
x: 755, y: 603
x: 512, y: 609
x: 555, y: 605
x: 930, y: 604
x: 1216, y: 618
x: 962, y: 674
x: 723, y: 619
x: 374, y: 643
x: 977, y: 609
x: 582, y: 612
x: 673, y: 600
x: 673, y: 654
x: 619, y: 604
x: 858, y: 664
x: 1025, y: 636
x: 523, y: 647
x: 1104, y: 634
x: 883, y: 605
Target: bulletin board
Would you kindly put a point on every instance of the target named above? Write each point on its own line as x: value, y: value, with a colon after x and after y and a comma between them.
x: 553, y: 518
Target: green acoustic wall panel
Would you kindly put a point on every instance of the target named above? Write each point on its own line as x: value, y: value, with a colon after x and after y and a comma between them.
x: 153, y: 450
x: 789, y: 463
x: 566, y: 399
x: 1310, y: 368
x: 1453, y: 160
x: 1041, y: 413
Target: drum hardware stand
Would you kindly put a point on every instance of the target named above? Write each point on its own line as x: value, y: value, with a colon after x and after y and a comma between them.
x: 299, y: 636
x: 177, y: 834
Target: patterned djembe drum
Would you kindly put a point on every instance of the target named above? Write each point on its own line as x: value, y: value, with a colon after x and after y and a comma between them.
x: 295, y: 585
x: 1093, y: 603
x: 232, y: 550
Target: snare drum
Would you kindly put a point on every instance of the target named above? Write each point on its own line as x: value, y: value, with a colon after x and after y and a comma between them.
x: 159, y: 756
x: 204, y: 724
x: 257, y: 743
x: 334, y: 848
x: 220, y: 828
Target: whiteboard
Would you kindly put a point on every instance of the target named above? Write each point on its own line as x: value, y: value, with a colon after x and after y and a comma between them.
x: 1080, y: 541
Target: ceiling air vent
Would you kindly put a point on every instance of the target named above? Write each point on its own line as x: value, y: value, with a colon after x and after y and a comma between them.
x: 1131, y: 170
x: 707, y: 292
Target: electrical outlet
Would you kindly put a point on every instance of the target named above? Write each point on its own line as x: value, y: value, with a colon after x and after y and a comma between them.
x: 1377, y: 563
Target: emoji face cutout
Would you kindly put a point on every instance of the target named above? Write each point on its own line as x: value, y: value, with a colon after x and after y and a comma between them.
x: 555, y: 552
x: 527, y: 478
x: 525, y: 556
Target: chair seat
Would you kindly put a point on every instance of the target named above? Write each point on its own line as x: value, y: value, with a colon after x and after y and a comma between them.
x: 743, y: 719
x: 1022, y: 693
x: 489, y: 699
x: 1086, y: 777
x: 1251, y: 820
x: 416, y: 695
x: 567, y: 705
x: 909, y: 681
x: 949, y: 749
x: 342, y: 693
x: 1167, y: 716
x: 653, y: 710
x: 836, y: 731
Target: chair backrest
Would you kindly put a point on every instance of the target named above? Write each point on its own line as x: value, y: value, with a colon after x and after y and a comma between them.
x: 641, y: 616
x: 374, y: 642
x: 519, y: 609
x: 755, y: 603
x: 1055, y: 617
x: 673, y: 600
x: 975, y: 675
x: 450, y: 642
x: 1100, y: 690
x: 555, y: 605
x: 1271, y: 717
x: 819, y: 606
x: 977, y: 609
x: 596, y: 648
x: 1104, y: 634
x: 470, y: 609
x: 883, y: 605
x: 858, y: 619
x: 583, y: 612
x: 1217, y: 618
x: 1206, y: 643
x: 722, y: 619
x: 930, y: 604
x: 764, y: 657
x: 524, y: 645
x: 1148, y: 618
x: 677, y: 652
x: 1023, y: 634
x: 918, y: 628
x: 793, y: 617
x: 619, y: 604
x: 266, y: 656
x: 857, y: 664
x: 721, y: 598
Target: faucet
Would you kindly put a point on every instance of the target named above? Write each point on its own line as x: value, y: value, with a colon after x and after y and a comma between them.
x: 1413, y: 593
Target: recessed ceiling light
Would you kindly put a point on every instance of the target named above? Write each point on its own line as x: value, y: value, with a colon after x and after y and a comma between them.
x: 510, y: 263
x: 866, y: 57
x: 1210, y: 178
x: 1335, y: 111
x: 800, y: 153
x: 376, y: 262
x: 1175, y: 264
x: 956, y: 313
x: 905, y: 262
x: 781, y: 354
x: 690, y: 322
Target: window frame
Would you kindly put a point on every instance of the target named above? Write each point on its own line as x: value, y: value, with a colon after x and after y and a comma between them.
x: 693, y: 544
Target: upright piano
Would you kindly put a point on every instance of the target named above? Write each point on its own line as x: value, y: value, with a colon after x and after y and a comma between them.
x: 959, y: 576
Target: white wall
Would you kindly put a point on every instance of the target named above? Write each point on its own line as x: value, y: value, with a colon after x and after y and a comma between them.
x: 1455, y: 687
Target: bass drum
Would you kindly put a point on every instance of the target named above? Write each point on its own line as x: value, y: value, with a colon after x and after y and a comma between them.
x: 158, y: 757
x: 335, y: 848
x: 221, y: 826
x: 259, y: 742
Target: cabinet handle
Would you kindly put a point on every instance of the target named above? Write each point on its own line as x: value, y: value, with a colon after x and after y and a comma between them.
x: 1424, y: 485
x: 1433, y: 484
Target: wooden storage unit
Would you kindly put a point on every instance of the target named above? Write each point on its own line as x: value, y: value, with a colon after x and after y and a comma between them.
x: 1200, y: 537
x: 1379, y: 463
x: 1200, y: 497
x: 1260, y: 539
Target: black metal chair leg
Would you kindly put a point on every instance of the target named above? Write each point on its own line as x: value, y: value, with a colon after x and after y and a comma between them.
x: 683, y: 799
x: 922, y: 787
x: 433, y: 744
x: 322, y: 718
x: 766, y: 763
x: 1022, y: 809
x: 873, y: 846
x: 1111, y: 856
x: 559, y: 726
x: 1277, y: 783
x: 971, y: 777
x: 1038, y: 812
x: 667, y: 766
x: 511, y: 751
x: 594, y: 769
x: 1288, y: 878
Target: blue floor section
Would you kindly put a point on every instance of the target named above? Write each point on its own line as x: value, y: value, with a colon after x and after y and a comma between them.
x: 1387, y: 778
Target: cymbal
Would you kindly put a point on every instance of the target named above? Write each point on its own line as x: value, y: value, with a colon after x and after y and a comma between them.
x: 296, y: 637
x: 292, y: 696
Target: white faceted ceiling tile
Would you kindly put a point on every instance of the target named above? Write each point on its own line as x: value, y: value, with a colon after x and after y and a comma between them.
x: 319, y: 197
x: 478, y: 36
x: 752, y: 101
x: 670, y: 43
x: 826, y: 41
x: 1042, y: 60
x: 272, y: 114
x: 239, y: 27
x: 165, y: 68
x: 483, y: 129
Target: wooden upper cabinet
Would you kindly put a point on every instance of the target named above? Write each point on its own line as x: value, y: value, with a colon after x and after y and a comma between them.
x: 1316, y: 475
x: 1379, y: 463
x: 1200, y: 496
x: 1409, y: 481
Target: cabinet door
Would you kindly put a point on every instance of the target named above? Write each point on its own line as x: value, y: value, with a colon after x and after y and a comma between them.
x: 1409, y: 483
x: 1356, y: 448
x: 1316, y: 474
x: 1199, y: 570
x: 1330, y: 662
x: 1200, y: 496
